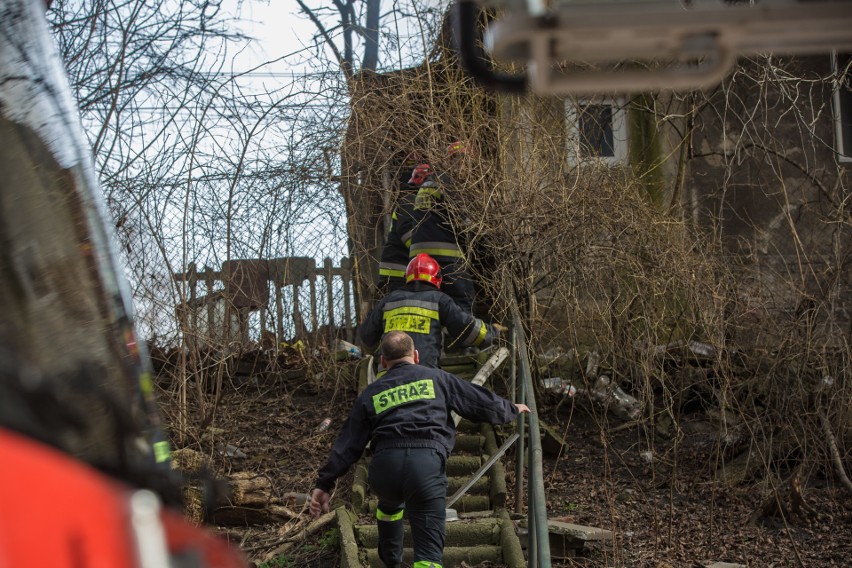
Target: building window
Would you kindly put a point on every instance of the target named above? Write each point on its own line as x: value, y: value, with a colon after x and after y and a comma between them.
x: 596, y: 131
x: 843, y: 105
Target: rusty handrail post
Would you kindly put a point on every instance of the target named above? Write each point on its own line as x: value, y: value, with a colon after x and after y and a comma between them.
x: 520, y: 396
x: 539, y: 540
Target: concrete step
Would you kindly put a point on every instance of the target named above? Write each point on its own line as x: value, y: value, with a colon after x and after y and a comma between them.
x: 454, y: 360
x: 488, y: 536
x: 465, y: 426
x: 567, y: 538
x: 453, y: 557
x: 464, y: 532
x: 469, y: 443
x: 481, y: 487
x: 464, y: 466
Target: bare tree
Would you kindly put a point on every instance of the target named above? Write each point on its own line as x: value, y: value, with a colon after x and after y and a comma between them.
x: 345, y: 18
x: 198, y: 165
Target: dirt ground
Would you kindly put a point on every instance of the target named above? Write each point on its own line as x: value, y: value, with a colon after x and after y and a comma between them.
x: 656, y: 494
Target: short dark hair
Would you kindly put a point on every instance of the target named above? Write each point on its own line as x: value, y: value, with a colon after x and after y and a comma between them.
x: 396, y: 345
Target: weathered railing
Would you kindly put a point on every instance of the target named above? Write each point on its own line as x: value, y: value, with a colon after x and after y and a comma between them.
x: 264, y: 300
x: 538, y: 548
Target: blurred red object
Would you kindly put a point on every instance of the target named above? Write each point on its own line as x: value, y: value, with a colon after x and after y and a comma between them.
x: 56, y: 511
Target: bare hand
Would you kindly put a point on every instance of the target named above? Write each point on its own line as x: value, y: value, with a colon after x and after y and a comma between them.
x: 500, y: 327
x: 319, y: 502
x: 522, y: 408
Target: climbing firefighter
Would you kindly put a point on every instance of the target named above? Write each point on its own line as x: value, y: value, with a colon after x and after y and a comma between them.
x: 395, y: 255
x: 405, y: 416
x: 423, y: 310
x: 435, y: 233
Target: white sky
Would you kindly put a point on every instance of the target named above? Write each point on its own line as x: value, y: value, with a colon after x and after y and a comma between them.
x: 279, y: 30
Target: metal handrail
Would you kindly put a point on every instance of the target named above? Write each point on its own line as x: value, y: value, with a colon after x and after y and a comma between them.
x: 538, y: 535
x: 481, y: 471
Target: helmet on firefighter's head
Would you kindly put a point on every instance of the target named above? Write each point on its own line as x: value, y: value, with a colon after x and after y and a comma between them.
x: 425, y: 269
x: 420, y: 174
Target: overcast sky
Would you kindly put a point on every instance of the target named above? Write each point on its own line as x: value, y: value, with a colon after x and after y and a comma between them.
x: 278, y: 29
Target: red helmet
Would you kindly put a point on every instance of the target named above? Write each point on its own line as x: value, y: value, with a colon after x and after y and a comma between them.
x: 425, y: 268
x: 419, y: 174
x: 457, y: 147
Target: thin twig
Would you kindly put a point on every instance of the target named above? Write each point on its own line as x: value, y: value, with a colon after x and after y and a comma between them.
x: 835, y: 453
x: 301, y: 535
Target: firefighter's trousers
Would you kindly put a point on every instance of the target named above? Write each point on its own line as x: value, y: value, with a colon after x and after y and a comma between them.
x: 412, y: 481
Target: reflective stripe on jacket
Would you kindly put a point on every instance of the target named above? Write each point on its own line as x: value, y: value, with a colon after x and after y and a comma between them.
x: 392, y: 269
x: 422, y: 311
x: 436, y: 249
x: 433, y: 232
x: 395, y: 253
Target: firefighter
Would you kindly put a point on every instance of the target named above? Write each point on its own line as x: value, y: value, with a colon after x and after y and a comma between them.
x: 405, y: 416
x: 395, y: 255
x: 423, y: 310
x: 435, y: 234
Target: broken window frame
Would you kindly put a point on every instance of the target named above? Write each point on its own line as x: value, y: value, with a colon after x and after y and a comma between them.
x: 617, y: 126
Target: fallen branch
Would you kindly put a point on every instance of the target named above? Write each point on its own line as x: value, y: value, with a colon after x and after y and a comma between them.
x: 485, y: 371
x: 295, y: 539
x: 832, y: 446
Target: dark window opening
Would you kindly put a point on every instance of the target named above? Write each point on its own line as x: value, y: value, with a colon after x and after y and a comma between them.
x: 595, y: 126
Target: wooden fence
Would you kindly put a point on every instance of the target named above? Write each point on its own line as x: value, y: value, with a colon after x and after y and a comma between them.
x: 220, y: 305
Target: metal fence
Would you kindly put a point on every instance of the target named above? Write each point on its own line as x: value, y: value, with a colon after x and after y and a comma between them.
x: 208, y: 269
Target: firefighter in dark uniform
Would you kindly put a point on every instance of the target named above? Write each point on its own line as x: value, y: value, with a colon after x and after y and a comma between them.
x: 395, y: 255
x: 435, y: 234
x: 405, y: 416
x: 423, y: 310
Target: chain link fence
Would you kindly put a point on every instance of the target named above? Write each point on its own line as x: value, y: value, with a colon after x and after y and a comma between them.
x: 267, y: 271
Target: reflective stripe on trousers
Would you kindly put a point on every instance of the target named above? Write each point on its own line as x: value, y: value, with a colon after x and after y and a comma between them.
x: 413, y: 479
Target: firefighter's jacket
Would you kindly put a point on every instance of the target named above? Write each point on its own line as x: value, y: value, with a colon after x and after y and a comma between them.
x: 421, y: 310
x: 433, y: 232
x: 409, y: 407
x: 395, y: 251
